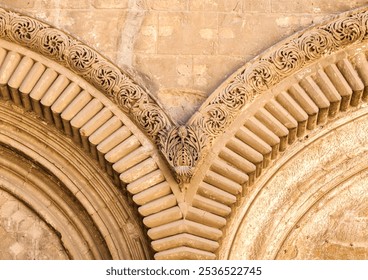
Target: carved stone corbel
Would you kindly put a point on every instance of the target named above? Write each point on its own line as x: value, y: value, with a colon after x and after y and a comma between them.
x: 182, y: 147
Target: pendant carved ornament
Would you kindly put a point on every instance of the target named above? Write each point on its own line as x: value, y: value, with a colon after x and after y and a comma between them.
x: 183, y: 146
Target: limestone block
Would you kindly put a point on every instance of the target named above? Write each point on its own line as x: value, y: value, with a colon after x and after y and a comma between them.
x: 167, y: 5
x: 217, y: 5
x: 250, y: 34
x: 181, y: 104
x: 146, y: 38
x: 313, y: 6
x: 206, y: 5
x: 260, y: 6
x: 24, y: 236
x: 196, y: 32
x: 210, y: 71
x: 93, y: 27
x: 234, y: 6
x: 166, y: 70
x: 18, y: 3
x: 110, y: 4
x: 65, y: 4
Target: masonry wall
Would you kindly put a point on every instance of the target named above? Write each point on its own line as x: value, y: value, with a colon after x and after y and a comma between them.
x: 24, y: 235
x: 181, y: 49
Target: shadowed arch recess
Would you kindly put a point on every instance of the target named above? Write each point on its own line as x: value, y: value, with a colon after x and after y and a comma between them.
x: 300, y: 84
x: 65, y: 189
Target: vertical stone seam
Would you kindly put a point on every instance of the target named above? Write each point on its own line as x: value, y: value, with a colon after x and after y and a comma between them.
x: 128, y: 35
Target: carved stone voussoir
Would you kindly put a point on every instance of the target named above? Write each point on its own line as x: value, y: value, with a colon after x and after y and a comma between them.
x: 87, y: 63
x: 274, y: 65
x: 183, y: 146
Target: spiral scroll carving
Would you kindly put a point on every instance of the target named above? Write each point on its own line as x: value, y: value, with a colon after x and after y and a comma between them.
x: 316, y: 44
x: 287, y: 59
x: 80, y: 58
x: 346, y: 30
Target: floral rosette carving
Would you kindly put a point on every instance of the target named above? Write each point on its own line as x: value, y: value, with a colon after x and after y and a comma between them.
x: 80, y: 58
x: 4, y: 22
x: 53, y: 43
x: 128, y: 94
x: 235, y: 95
x: 150, y: 117
x: 288, y: 59
x: 182, y: 148
x: 261, y: 75
x: 24, y: 29
x: 364, y: 19
x: 346, y: 31
x: 214, y: 120
x: 316, y: 43
x: 104, y: 76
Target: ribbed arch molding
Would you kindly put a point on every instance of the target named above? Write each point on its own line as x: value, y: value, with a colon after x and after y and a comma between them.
x: 281, y: 118
x: 66, y: 189
x: 66, y: 101
x: 286, y: 106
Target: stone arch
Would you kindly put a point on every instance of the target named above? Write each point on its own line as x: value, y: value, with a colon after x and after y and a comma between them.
x: 316, y: 193
x: 66, y: 191
x: 303, y: 84
x: 65, y: 84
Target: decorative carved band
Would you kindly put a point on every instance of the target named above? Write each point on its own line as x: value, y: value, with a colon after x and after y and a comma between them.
x: 191, y: 227
x: 105, y: 76
x: 281, y: 61
x: 89, y: 64
x: 183, y: 146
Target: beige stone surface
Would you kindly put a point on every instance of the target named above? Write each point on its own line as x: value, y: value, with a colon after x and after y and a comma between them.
x: 335, y: 227
x: 310, y: 205
x: 158, y: 37
x: 183, y: 51
x: 108, y: 4
x: 23, y: 235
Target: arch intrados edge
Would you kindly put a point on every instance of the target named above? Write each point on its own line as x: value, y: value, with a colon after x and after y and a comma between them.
x: 158, y: 172
x: 76, y: 180
x: 308, y: 199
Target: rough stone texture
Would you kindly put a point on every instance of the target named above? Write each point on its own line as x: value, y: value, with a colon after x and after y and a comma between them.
x: 186, y: 46
x: 23, y: 235
x: 330, y: 231
x: 314, y: 206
